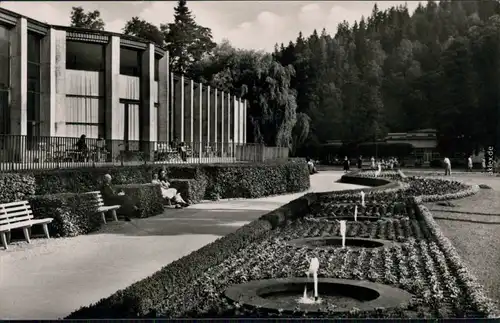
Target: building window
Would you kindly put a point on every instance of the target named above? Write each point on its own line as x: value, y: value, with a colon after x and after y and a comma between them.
x: 4, y: 79
x: 85, y: 56
x: 130, y: 62
x: 33, y: 95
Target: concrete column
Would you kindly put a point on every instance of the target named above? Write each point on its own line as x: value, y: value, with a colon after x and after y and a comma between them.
x: 112, y: 81
x: 48, y: 83
x: 200, y: 120
x: 240, y: 121
x: 195, y: 116
x: 112, y: 116
x: 179, y: 109
x: 236, y: 120
x: 222, y: 123
x: 19, y: 78
x: 164, y: 99
x: 245, y: 119
x: 230, y: 107
x: 206, y: 116
x: 188, y: 101
x: 172, y: 107
x: 215, y: 111
x: 147, y: 108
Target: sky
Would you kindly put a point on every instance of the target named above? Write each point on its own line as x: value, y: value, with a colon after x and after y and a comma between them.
x: 246, y: 24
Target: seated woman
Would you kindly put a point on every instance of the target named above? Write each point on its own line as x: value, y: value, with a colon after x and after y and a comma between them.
x: 311, y: 167
x: 112, y: 197
x: 168, y: 193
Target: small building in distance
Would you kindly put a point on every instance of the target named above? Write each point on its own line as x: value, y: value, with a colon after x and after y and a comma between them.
x: 424, y: 143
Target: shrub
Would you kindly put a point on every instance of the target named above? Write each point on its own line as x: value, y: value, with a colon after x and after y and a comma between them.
x: 256, y: 180
x: 223, y: 180
x: 16, y: 187
x: 189, y: 189
x: 147, y: 197
x: 73, y: 214
x: 291, y: 211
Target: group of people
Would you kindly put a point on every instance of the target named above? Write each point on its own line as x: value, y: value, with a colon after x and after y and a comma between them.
x: 129, y: 208
x: 391, y: 163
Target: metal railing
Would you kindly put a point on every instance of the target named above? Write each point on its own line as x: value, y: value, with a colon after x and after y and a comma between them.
x: 24, y: 153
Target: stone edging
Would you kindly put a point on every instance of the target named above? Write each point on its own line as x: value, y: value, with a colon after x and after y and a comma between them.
x: 249, y: 294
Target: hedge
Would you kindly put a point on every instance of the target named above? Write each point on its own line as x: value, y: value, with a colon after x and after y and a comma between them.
x: 148, y: 297
x: 16, y: 187
x: 209, y: 181
x: 73, y: 214
x: 147, y: 198
x: 365, y: 181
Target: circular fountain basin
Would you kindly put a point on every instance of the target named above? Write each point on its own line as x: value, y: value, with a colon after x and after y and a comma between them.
x: 336, y: 242
x: 336, y: 295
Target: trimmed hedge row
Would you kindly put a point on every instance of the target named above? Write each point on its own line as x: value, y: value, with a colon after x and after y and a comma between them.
x: 151, y: 296
x: 365, y: 181
x: 208, y: 181
x: 147, y: 197
x: 73, y: 213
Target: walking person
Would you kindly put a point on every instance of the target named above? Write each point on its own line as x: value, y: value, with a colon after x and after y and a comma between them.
x: 346, y: 164
x: 469, y: 164
x: 360, y: 162
x: 447, y: 166
x: 372, y: 160
x: 483, y: 164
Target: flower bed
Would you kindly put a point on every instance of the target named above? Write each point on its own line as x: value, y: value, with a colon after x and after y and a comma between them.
x: 389, y: 209
x: 423, y: 263
x: 419, y: 267
x: 395, y: 229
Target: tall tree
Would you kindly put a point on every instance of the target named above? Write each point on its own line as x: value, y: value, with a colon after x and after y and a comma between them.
x: 143, y: 29
x: 186, y: 41
x: 88, y: 20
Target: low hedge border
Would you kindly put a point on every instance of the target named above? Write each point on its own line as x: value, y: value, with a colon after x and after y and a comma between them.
x: 151, y: 295
x: 147, y: 197
x: 210, y: 181
x: 73, y: 214
x: 474, y: 289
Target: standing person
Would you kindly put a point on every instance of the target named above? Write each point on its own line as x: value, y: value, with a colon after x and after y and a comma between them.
x: 469, y: 164
x: 360, y: 162
x: 447, y: 166
x: 346, y: 164
x: 483, y: 164
x: 373, y: 162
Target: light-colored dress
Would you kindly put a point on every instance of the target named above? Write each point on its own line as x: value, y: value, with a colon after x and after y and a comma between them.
x: 166, y: 192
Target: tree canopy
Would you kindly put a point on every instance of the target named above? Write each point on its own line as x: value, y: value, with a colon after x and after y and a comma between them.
x: 393, y: 71
x: 88, y: 20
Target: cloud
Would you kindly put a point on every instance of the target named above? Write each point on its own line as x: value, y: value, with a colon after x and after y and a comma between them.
x: 252, y: 25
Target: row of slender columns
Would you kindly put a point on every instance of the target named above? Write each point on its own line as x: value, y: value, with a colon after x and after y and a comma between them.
x: 188, y: 111
x: 204, y: 115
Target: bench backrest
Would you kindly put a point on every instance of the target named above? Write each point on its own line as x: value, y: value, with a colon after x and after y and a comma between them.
x: 11, y: 213
x: 98, y: 198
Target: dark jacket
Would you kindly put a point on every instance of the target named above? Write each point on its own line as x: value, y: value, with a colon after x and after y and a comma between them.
x: 110, y: 196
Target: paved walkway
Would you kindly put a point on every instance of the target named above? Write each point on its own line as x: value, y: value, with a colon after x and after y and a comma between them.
x: 49, y: 279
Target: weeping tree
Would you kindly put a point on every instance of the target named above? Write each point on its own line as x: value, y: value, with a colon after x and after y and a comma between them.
x: 300, y: 132
x: 261, y: 80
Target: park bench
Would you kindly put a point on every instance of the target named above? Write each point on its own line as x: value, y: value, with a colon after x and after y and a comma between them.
x: 102, y: 209
x: 18, y: 215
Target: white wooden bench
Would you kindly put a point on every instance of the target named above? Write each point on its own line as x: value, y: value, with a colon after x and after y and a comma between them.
x: 18, y: 215
x: 102, y: 209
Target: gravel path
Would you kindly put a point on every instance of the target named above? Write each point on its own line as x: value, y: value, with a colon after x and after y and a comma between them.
x: 473, y: 226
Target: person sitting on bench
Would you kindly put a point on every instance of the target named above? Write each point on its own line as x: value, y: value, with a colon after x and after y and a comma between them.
x: 112, y: 197
x: 168, y: 193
